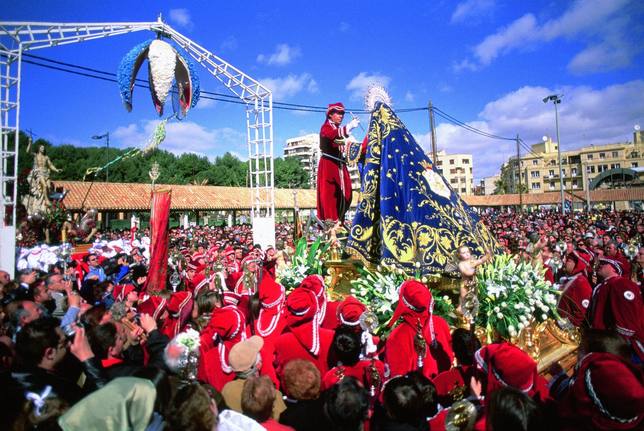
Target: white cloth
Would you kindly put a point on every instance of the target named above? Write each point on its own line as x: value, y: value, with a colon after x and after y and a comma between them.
x: 230, y: 420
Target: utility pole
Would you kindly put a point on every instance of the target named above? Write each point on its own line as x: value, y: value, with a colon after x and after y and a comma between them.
x: 433, y: 134
x: 519, y: 170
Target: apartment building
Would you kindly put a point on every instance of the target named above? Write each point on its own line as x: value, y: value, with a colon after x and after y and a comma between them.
x: 540, y: 168
x: 458, y: 171
x: 306, y: 149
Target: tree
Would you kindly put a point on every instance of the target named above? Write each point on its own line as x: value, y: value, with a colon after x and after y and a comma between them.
x: 289, y: 173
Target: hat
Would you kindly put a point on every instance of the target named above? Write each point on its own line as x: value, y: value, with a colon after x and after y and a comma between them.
x: 154, y: 306
x: 121, y: 291
x: 243, y: 355
x: 415, y: 299
x: 608, y: 392
x: 350, y: 310
x: 507, y: 365
x: 231, y: 298
x: 337, y: 106
x: 315, y: 284
x: 580, y: 262
x: 271, y: 299
x: 228, y: 251
x: 302, y: 318
x: 615, y: 264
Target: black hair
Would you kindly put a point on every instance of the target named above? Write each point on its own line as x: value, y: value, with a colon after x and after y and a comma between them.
x: 346, y: 405
x: 427, y: 394
x: 402, y: 401
x: 464, y: 345
x: 35, y: 338
x: 346, y: 346
x: 512, y: 410
x: 101, y: 338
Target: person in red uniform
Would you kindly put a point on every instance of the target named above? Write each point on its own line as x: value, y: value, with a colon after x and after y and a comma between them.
x: 607, y: 393
x: 327, y: 315
x: 271, y: 319
x: 227, y: 326
x: 305, y: 339
x: 617, y: 304
x: 403, y: 347
x: 575, y: 290
x: 179, y: 311
x: 334, y: 182
x: 453, y: 385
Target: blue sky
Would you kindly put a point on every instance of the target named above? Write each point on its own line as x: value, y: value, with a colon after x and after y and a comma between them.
x: 486, y: 62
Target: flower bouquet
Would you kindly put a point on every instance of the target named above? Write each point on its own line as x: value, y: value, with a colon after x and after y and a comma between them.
x: 379, y: 290
x: 513, y: 296
x: 307, y: 260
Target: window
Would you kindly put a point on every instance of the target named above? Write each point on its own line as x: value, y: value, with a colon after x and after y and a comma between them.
x: 634, y: 164
x: 574, y: 184
x: 589, y: 156
x: 452, y: 171
x: 451, y: 161
x: 564, y: 161
x: 535, y: 174
x: 602, y: 155
x: 462, y: 180
x: 440, y: 163
x: 551, y: 173
x: 614, y: 165
x: 563, y: 172
x: 454, y: 181
x: 615, y: 154
x: 574, y: 171
x: 536, y: 186
x: 463, y: 190
x: 590, y: 169
x: 466, y: 161
x: 470, y: 170
x: 602, y: 168
x: 535, y: 162
x: 553, y: 162
x: 552, y: 186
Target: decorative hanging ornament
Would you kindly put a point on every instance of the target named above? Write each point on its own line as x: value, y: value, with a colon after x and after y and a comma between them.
x: 375, y: 94
x: 168, y: 71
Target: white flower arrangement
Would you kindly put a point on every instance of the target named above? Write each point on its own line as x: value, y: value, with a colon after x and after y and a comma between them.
x: 307, y: 260
x: 379, y: 291
x: 189, y: 339
x: 513, y: 295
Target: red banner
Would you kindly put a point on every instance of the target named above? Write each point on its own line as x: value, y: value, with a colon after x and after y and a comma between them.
x: 159, y: 218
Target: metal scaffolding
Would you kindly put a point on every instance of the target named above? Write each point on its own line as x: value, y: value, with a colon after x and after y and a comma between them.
x: 18, y: 37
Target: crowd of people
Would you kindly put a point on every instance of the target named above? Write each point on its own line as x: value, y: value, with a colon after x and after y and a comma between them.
x: 85, y: 345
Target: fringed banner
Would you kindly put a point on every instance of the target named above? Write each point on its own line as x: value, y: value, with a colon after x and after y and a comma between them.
x: 159, y: 217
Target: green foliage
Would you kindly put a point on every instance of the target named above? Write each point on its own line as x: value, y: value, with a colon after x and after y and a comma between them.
x: 188, y: 168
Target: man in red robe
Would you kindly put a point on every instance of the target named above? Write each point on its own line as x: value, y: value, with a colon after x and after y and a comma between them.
x: 421, y: 341
x: 575, y: 289
x: 617, y: 305
x: 334, y: 182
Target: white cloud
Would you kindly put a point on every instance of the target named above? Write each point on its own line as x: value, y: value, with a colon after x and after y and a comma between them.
x: 229, y: 44
x: 181, y: 17
x: 471, y: 9
x: 602, y: 25
x: 288, y: 86
x: 182, y: 137
x: 587, y: 116
x: 205, y: 103
x: 344, y: 27
x: 409, y: 97
x: 360, y: 83
x: 284, y: 54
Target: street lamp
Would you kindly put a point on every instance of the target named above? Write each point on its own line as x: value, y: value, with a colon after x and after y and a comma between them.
x: 105, y: 136
x: 556, y: 99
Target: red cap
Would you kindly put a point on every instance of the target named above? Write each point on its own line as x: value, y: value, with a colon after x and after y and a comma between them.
x: 608, y: 392
x: 507, y: 365
x: 121, y: 291
x: 337, y: 106
x: 350, y: 310
x: 315, y: 284
x: 415, y: 300
x: 154, y: 306
x: 615, y: 264
x: 302, y: 318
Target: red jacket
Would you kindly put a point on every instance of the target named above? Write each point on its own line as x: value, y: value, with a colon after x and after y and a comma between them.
x: 617, y: 304
x: 576, y: 293
x: 401, y: 355
x: 287, y: 348
x: 333, y: 182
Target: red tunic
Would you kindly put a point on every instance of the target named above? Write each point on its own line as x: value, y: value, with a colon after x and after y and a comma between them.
x: 360, y: 371
x: 617, y: 304
x: 334, y: 182
x: 401, y: 355
x: 453, y: 385
x: 575, y: 299
x: 287, y: 348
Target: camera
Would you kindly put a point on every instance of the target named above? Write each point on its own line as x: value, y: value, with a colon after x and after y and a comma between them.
x: 70, y: 330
